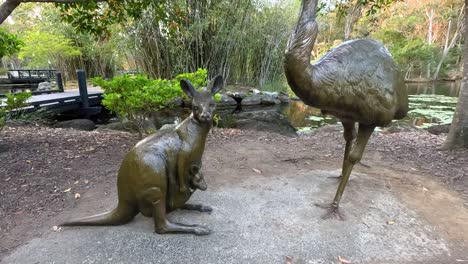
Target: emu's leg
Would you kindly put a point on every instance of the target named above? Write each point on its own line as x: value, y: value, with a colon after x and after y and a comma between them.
x: 198, y: 207
x: 161, y: 224
x: 349, y: 135
x: 354, y: 157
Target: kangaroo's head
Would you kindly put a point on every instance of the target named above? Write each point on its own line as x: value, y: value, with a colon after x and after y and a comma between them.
x: 203, y: 103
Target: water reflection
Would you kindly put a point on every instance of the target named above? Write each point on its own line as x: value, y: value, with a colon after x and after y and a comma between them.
x: 451, y: 89
x: 425, y: 110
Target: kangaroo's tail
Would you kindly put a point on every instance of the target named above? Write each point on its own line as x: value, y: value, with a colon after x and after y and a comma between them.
x: 119, y: 216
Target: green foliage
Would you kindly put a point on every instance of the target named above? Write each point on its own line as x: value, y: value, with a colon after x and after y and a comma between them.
x: 198, y: 78
x: 12, y: 109
x: 136, y: 97
x: 42, y: 48
x: 96, y: 17
x: 412, y: 51
x: 9, y: 43
x: 276, y: 86
x: 2, y: 118
x: 16, y: 101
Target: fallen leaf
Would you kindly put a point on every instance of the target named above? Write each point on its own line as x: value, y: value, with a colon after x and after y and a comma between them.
x: 425, y: 189
x: 28, y: 161
x: 390, y: 222
x: 77, y: 196
x: 56, y: 228
x: 288, y: 259
x: 343, y: 260
x: 86, y: 181
x: 67, y: 190
x: 7, y: 179
x: 77, y: 182
x: 257, y: 171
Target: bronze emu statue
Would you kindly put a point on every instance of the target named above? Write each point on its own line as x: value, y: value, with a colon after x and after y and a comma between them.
x: 358, y: 81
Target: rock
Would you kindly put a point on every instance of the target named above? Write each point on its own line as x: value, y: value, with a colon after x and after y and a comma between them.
x: 271, y: 94
x: 44, y: 86
x: 255, y: 99
x: 227, y: 100
x: 176, y: 102
x: 128, y: 126
x: 438, y: 129
x: 79, y: 124
x: 255, y: 91
x: 284, y: 97
x: 237, y: 95
x: 400, y: 126
x: 168, y: 116
x: 269, y: 100
x: 270, y: 121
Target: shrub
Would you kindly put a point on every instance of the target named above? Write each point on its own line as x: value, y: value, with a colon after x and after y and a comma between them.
x: 13, y: 105
x: 136, y: 97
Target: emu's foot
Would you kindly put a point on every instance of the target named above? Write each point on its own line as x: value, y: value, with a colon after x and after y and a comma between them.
x: 335, y: 177
x: 333, y: 212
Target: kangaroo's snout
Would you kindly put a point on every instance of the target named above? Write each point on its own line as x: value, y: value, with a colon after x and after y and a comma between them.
x: 205, y: 116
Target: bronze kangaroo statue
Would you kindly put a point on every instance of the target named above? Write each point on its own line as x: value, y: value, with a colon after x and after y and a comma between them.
x: 146, y: 180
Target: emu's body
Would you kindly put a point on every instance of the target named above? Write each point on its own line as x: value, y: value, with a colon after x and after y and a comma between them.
x: 358, y: 81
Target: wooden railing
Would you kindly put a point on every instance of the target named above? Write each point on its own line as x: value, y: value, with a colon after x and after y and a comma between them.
x: 32, y: 74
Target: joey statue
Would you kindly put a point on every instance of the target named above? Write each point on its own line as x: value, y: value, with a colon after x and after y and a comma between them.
x: 162, y: 171
x: 357, y: 81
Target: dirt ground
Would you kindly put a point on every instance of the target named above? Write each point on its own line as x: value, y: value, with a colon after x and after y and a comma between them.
x: 44, y: 171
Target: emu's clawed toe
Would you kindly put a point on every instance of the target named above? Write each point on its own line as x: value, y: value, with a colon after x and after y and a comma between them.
x: 333, y: 212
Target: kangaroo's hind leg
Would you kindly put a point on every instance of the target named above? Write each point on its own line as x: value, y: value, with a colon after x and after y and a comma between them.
x: 162, y: 225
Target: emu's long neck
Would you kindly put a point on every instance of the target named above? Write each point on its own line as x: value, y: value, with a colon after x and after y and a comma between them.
x: 298, y: 70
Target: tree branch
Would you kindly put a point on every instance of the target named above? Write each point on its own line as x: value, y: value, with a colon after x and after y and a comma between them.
x: 9, y: 5
x: 57, y: 1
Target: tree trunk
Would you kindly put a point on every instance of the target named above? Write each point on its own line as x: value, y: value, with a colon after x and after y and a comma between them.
x: 7, y: 7
x: 458, y: 134
x: 449, y: 44
x: 351, y: 18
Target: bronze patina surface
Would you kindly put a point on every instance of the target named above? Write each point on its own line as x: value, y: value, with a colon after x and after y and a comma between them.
x: 357, y: 81
x: 154, y: 176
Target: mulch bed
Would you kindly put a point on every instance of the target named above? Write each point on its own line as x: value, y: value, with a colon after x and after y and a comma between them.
x: 42, y: 169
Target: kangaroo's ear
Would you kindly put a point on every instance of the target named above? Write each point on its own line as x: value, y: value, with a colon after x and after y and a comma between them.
x: 188, y: 88
x: 216, y: 84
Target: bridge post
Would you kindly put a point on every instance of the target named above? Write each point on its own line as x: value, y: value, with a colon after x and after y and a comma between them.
x: 83, y: 88
x: 59, y: 81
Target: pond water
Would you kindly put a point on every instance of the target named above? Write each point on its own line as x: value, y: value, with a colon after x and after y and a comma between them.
x: 429, y: 103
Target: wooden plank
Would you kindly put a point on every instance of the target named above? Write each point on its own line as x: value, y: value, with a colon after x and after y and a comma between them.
x: 38, y: 100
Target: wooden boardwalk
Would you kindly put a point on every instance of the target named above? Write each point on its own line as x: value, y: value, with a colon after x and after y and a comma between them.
x: 61, y: 102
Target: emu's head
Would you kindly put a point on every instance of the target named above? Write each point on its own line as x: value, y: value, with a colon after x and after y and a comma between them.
x: 203, y: 103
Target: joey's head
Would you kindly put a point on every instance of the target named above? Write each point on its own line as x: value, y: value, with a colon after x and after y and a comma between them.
x: 197, y: 180
x: 203, y: 103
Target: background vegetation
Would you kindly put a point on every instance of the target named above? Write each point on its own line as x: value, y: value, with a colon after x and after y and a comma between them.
x: 242, y: 39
